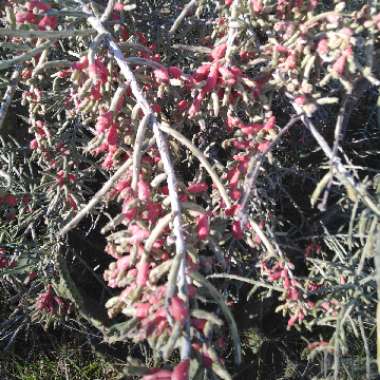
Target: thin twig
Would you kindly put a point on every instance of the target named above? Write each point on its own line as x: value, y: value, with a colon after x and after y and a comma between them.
x: 95, y: 199
x: 345, y: 176
x: 253, y: 170
x: 366, y: 349
x: 193, y: 49
x: 108, y: 11
x: 377, y: 267
x: 24, y: 57
x: 45, y: 34
x: 198, y: 154
x: 182, y: 15
x: 138, y: 150
x: 343, y: 118
x: 9, y: 93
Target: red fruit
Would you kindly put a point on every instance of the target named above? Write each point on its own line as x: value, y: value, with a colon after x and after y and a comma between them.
x: 181, y: 370
x: 228, y: 2
x: 178, y: 309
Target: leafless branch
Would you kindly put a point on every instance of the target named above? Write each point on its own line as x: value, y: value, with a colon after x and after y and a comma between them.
x: 182, y: 15
x: 9, y: 93
x: 95, y: 199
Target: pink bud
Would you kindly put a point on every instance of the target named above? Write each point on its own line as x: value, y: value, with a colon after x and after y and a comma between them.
x: 175, y: 72
x: 270, y: 124
x: 143, y: 190
x: 98, y: 71
x: 202, y: 72
x: 251, y: 129
x: 10, y: 200
x: 219, y: 51
x: 142, y: 273
x: 181, y: 370
x: 237, y: 232
x: 112, y: 136
x: 323, y: 46
x: 26, y: 17
x: 81, y: 64
x: 182, y: 105
x: 48, y: 22
x: 257, y: 6
x: 178, y: 309
x: 340, y: 65
x: 118, y: 7
x: 197, y: 187
x: 195, y: 107
x: 40, y: 5
x: 158, y: 374
x: 161, y: 75
x: 142, y: 310
x: 33, y: 144
x: 104, y: 121
x: 203, y: 226
x: 212, y: 79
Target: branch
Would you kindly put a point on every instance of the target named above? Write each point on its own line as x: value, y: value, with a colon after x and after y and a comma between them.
x: 345, y: 176
x: 168, y: 167
x: 253, y: 170
x: 24, y: 57
x: 343, y: 118
x: 45, y: 34
x: 96, y: 199
x: 9, y: 93
x: 197, y: 153
x: 182, y: 15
